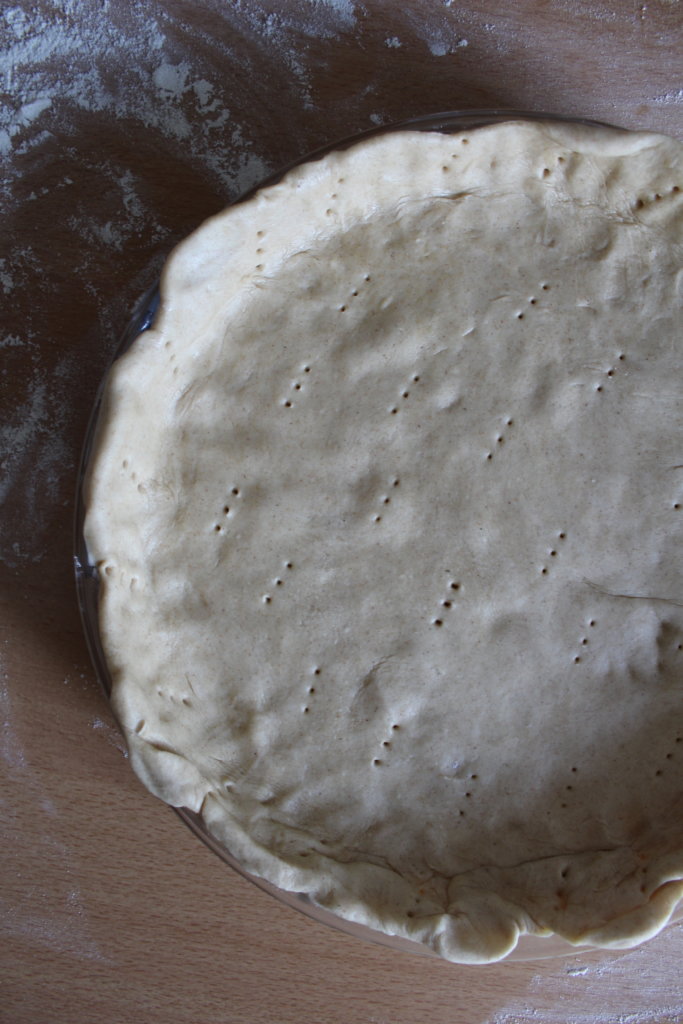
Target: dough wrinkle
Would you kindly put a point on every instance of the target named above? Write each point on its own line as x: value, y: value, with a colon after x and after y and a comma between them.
x: 633, y: 597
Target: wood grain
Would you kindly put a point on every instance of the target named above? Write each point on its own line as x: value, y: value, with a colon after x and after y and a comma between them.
x: 110, y: 909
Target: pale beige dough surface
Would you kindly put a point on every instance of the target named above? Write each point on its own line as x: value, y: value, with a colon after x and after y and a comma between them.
x: 387, y: 515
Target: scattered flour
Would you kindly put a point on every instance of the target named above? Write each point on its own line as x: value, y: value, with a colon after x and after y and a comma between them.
x: 11, y: 749
x: 112, y: 735
x: 633, y: 987
x: 441, y: 45
x: 673, y: 96
x: 123, y: 67
x: 63, y: 68
x: 54, y: 916
x: 443, y: 33
x: 344, y: 9
x: 5, y: 277
x: 35, y: 453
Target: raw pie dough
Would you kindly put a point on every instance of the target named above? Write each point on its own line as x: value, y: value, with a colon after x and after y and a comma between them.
x: 387, y: 510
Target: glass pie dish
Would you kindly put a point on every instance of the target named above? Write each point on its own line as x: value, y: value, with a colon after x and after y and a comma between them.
x: 529, y: 947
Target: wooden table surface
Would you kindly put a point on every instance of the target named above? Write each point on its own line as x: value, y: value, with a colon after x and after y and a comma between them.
x: 122, y: 125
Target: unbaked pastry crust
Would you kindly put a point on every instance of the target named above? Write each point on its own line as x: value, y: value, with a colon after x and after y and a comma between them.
x: 386, y: 510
